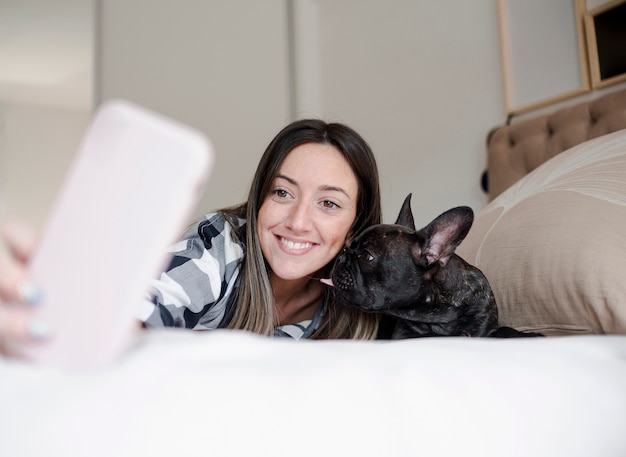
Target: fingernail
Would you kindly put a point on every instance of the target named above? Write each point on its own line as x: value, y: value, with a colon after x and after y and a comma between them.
x: 38, y: 329
x: 29, y: 293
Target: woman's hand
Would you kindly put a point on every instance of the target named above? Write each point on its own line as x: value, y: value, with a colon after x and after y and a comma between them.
x: 19, y: 297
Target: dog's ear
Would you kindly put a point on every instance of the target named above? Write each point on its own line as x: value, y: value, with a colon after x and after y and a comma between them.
x: 444, y: 234
x: 405, y: 218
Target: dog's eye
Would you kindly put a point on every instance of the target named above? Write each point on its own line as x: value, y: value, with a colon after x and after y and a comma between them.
x: 366, y: 256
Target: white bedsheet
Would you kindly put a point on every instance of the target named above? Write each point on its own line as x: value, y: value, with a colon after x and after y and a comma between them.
x: 180, y: 393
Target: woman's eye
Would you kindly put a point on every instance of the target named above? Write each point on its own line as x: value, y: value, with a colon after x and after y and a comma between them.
x: 280, y: 193
x: 329, y: 204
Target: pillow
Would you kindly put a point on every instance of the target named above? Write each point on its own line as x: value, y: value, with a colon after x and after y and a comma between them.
x: 553, y: 246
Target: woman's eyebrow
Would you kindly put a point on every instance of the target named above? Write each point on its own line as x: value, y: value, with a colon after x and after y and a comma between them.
x: 323, y: 187
x: 287, y: 178
x: 327, y: 188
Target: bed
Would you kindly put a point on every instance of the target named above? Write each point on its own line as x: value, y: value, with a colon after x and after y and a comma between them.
x: 551, y: 241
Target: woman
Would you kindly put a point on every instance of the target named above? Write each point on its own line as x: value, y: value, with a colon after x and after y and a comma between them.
x: 256, y: 266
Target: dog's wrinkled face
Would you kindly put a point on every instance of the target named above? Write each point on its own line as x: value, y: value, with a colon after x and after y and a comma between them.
x: 385, y: 267
x: 368, y: 273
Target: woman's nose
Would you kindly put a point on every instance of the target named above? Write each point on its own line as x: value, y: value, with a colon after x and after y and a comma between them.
x: 300, y: 218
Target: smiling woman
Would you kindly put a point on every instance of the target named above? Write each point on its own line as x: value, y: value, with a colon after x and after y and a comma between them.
x: 305, y: 220
x: 256, y: 266
x: 303, y: 223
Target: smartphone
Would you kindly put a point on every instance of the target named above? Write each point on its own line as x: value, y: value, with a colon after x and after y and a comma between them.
x: 133, y: 184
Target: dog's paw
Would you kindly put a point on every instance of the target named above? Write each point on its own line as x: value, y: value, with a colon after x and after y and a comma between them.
x: 508, y: 332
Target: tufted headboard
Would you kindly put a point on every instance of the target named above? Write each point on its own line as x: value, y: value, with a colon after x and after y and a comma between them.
x: 515, y: 150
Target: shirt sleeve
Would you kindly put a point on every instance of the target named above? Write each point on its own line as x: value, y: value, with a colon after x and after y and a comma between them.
x: 196, y: 290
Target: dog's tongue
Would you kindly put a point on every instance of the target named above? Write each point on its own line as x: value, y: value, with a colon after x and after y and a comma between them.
x: 327, y: 281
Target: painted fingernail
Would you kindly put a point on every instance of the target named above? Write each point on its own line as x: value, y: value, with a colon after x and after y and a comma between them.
x: 29, y: 293
x: 38, y: 329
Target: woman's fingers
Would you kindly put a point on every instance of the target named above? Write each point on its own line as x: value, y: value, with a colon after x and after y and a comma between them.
x: 19, y: 318
x: 21, y: 327
x: 14, y: 286
x: 20, y: 321
x: 24, y: 325
x: 20, y: 238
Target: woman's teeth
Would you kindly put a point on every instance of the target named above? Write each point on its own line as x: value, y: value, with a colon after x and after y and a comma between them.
x: 295, y: 245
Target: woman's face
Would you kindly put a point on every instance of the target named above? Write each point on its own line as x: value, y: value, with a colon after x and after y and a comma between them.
x: 304, y: 221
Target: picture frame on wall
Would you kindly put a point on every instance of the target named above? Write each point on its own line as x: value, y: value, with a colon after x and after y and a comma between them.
x: 605, y: 28
x: 543, y: 52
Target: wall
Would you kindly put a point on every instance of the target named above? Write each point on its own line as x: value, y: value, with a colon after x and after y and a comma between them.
x: 37, y: 144
x: 421, y: 84
x: 218, y: 66
x: 46, y: 70
x: 422, y: 81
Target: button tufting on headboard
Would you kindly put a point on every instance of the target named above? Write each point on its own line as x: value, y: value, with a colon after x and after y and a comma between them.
x: 516, y: 149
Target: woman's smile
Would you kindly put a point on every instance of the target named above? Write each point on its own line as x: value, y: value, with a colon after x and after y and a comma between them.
x: 304, y: 221
x: 295, y: 247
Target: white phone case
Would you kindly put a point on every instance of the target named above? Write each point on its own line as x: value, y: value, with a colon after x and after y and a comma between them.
x: 127, y: 197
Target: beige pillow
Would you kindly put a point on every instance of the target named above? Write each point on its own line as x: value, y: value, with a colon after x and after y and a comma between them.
x: 553, y: 246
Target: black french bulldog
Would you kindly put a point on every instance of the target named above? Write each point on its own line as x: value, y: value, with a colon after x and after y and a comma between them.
x: 416, y: 278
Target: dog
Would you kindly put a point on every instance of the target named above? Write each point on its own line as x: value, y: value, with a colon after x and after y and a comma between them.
x: 416, y: 281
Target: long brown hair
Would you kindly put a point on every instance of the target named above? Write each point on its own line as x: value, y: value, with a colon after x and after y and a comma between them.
x: 254, y: 305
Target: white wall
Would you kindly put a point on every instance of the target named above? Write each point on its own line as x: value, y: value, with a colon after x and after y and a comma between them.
x: 422, y: 81
x: 421, y: 84
x: 37, y: 144
x: 218, y: 66
x: 46, y: 70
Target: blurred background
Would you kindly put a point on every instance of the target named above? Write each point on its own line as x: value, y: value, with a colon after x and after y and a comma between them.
x: 422, y: 81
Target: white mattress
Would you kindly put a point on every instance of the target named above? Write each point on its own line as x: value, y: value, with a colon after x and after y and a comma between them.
x: 180, y: 393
